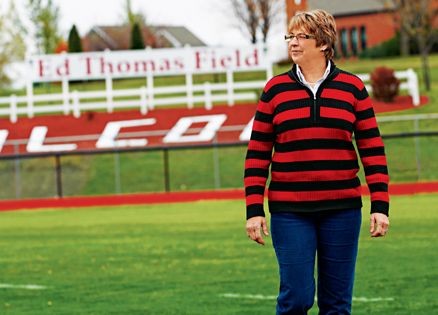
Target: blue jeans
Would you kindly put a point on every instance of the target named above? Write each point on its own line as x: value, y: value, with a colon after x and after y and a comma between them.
x: 297, y: 237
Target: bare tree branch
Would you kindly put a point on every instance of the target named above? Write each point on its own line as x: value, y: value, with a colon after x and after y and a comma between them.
x: 268, y: 11
x: 256, y: 17
x: 245, y: 11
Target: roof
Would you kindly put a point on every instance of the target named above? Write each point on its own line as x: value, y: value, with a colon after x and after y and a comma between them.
x: 177, y: 35
x: 119, y: 37
x: 350, y: 7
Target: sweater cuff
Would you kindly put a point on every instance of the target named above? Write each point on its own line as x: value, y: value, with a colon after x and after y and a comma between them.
x: 254, y: 210
x: 379, y: 206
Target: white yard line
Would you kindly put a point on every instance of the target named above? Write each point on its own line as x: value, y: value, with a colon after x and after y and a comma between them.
x: 22, y: 286
x: 376, y: 299
x: 273, y: 297
x: 248, y: 296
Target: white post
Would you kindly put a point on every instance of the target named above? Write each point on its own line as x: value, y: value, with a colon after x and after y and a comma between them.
x: 65, y: 95
x: 207, y: 93
x: 13, y: 113
x: 29, y: 85
x: 189, y: 87
x: 76, y: 109
x: 29, y: 92
x: 230, y: 92
x: 413, y: 86
x: 149, y: 84
x: 150, y: 87
x: 269, y: 71
x: 143, y: 101
x: 109, y: 93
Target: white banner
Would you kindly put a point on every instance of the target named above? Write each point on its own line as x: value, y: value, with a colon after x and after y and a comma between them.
x: 141, y: 63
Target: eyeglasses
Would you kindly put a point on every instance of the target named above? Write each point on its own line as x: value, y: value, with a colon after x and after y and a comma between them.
x: 300, y: 36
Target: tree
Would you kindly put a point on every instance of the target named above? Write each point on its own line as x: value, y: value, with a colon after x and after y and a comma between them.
x: 12, y: 42
x: 269, y: 11
x: 74, y: 40
x: 44, y: 15
x: 255, y: 16
x: 404, y: 39
x: 404, y: 36
x: 416, y: 19
x: 132, y: 17
x: 245, y: 11
x: 137, y: 41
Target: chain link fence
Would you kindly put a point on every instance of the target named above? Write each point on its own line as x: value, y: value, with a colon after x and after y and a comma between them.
x: 412, y: 157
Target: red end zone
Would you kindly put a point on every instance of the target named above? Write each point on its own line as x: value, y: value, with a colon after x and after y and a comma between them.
x: 188, y: 127
x: 124, y: 129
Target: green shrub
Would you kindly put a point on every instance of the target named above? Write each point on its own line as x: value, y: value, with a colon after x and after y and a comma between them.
x: 391, y: 47
x: 386, y: 49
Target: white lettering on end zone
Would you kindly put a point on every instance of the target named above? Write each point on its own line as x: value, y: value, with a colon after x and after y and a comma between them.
x: 181, y: 132
x: 214, y: 122
x: 3, y: 136
x: 246, y: 133
x: 36, y: 142
x: 108, y: 138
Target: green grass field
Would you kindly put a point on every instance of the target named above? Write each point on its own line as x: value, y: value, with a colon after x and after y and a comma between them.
x: 184, y: 258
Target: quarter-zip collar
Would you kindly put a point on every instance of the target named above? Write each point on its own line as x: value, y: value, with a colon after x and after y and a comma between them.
x: 316, y: 104
x: 300, y: 75
x: 293, y: 73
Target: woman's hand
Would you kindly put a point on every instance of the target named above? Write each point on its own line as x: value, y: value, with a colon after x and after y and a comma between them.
x: 379, y: 224
x: 253, y: 227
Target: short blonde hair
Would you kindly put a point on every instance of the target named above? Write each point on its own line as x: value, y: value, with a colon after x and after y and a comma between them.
x: 319, y: 23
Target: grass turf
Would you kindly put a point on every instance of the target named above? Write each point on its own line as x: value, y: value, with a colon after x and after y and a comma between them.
x: 181, y: 258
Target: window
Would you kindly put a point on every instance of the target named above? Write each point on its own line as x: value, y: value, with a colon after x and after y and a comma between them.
x: 363, y: 38
x: 336, y: 55
x: 344, y: 42
x: 353, y: 41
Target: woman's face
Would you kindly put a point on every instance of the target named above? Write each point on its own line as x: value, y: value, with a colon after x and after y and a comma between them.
x: 304, y: 50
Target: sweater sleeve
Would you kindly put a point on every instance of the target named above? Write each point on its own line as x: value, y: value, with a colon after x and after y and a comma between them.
x: 372, y: 153
x: 258, y: 157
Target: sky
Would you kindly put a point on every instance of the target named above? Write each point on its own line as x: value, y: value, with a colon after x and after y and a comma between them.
x: 210, y: 20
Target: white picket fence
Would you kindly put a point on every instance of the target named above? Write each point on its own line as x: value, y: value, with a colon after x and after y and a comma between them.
x: 145, y: 98
x: 148, y: 97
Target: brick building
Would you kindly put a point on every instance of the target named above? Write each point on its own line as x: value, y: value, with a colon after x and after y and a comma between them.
x: 360, y: 24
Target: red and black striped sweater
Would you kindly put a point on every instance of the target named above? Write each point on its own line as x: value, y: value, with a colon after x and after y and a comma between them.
x: 314, y: 165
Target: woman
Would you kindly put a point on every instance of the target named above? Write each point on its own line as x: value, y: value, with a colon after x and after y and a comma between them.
x: 308, y: 115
